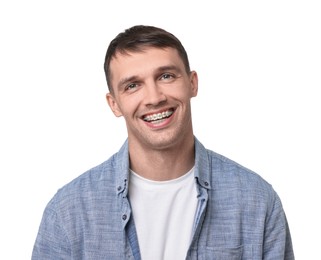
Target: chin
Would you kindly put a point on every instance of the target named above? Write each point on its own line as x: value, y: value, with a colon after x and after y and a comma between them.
x: 164, y: 142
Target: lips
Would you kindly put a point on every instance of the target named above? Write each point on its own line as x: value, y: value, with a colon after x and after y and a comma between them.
x: 158, y: 116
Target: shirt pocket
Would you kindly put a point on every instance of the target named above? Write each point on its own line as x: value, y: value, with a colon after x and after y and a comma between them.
x: 221, y: 253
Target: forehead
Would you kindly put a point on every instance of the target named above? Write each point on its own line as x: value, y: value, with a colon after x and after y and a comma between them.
x: 136, y: 63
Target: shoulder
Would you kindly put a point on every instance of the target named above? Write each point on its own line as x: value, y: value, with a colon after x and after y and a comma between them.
x: 97, y: 179
x: 91, y: 197
x: 234, y: 185
x: 226, y: 175
x: 92, y: 186
x: 227, y: 170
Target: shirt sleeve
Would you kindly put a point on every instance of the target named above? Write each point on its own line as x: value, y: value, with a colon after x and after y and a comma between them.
x: 52, y: 241
x: 277, y: 238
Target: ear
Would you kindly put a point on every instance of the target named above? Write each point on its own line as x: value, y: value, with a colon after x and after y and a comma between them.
x: 113, y: 105
x: 194, y: 83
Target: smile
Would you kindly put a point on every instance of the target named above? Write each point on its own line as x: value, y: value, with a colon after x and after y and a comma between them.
x: 158, y: 116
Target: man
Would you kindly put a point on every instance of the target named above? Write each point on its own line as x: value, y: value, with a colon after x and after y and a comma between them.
x: 163, y: 195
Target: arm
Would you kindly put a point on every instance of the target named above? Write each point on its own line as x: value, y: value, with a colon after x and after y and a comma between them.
x: 277, y: 238
x: 51, y: 242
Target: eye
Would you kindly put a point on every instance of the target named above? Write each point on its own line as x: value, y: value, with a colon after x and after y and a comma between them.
x: 167, y: 76
x: 131, y: 86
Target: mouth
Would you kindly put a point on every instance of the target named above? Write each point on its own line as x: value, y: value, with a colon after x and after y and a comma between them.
x: 158, y: 117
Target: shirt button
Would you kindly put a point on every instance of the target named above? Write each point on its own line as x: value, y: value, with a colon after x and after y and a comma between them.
x: 206, y: 183
x: 124, y: 217
x: 119, y: 188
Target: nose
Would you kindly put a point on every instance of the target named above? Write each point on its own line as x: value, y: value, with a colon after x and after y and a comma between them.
x: 154, y: 94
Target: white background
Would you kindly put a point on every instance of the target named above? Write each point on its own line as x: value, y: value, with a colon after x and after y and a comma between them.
x: 259, y: 66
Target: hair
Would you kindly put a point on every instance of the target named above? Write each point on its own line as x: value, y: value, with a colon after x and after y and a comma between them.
x: 138, y: 37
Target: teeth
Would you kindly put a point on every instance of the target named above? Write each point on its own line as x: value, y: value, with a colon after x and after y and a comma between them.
x: 158, y: 116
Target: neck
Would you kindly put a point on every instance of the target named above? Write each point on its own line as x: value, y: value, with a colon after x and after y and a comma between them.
x: 164, y: 164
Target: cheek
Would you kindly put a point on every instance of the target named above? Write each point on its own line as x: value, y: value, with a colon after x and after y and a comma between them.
x: 128, y: 108
x: 184, y: 96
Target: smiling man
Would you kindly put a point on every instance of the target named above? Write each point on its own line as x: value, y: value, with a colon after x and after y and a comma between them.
x: 163, y: 195
x: 152, y: 91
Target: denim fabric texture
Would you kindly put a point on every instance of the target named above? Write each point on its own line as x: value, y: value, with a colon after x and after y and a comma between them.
x: 239, y: 215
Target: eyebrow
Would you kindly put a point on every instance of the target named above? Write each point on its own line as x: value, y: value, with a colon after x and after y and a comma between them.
x: 168, y: 67
x: 126, y: 80
x: 160, y: 69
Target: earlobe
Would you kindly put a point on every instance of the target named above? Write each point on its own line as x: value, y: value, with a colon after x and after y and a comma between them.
x: 113, y: 105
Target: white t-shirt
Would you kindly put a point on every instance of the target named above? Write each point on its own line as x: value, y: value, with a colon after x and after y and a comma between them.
x: 164, y: 214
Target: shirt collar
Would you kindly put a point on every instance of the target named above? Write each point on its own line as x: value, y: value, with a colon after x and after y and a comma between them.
x: 202, y: 167
x: 121, y: 162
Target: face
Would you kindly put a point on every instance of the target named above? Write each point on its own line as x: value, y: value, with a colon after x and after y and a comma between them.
x: 152, y: 91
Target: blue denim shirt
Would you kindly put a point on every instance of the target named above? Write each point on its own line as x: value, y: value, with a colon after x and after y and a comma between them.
x: 239, y: 215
